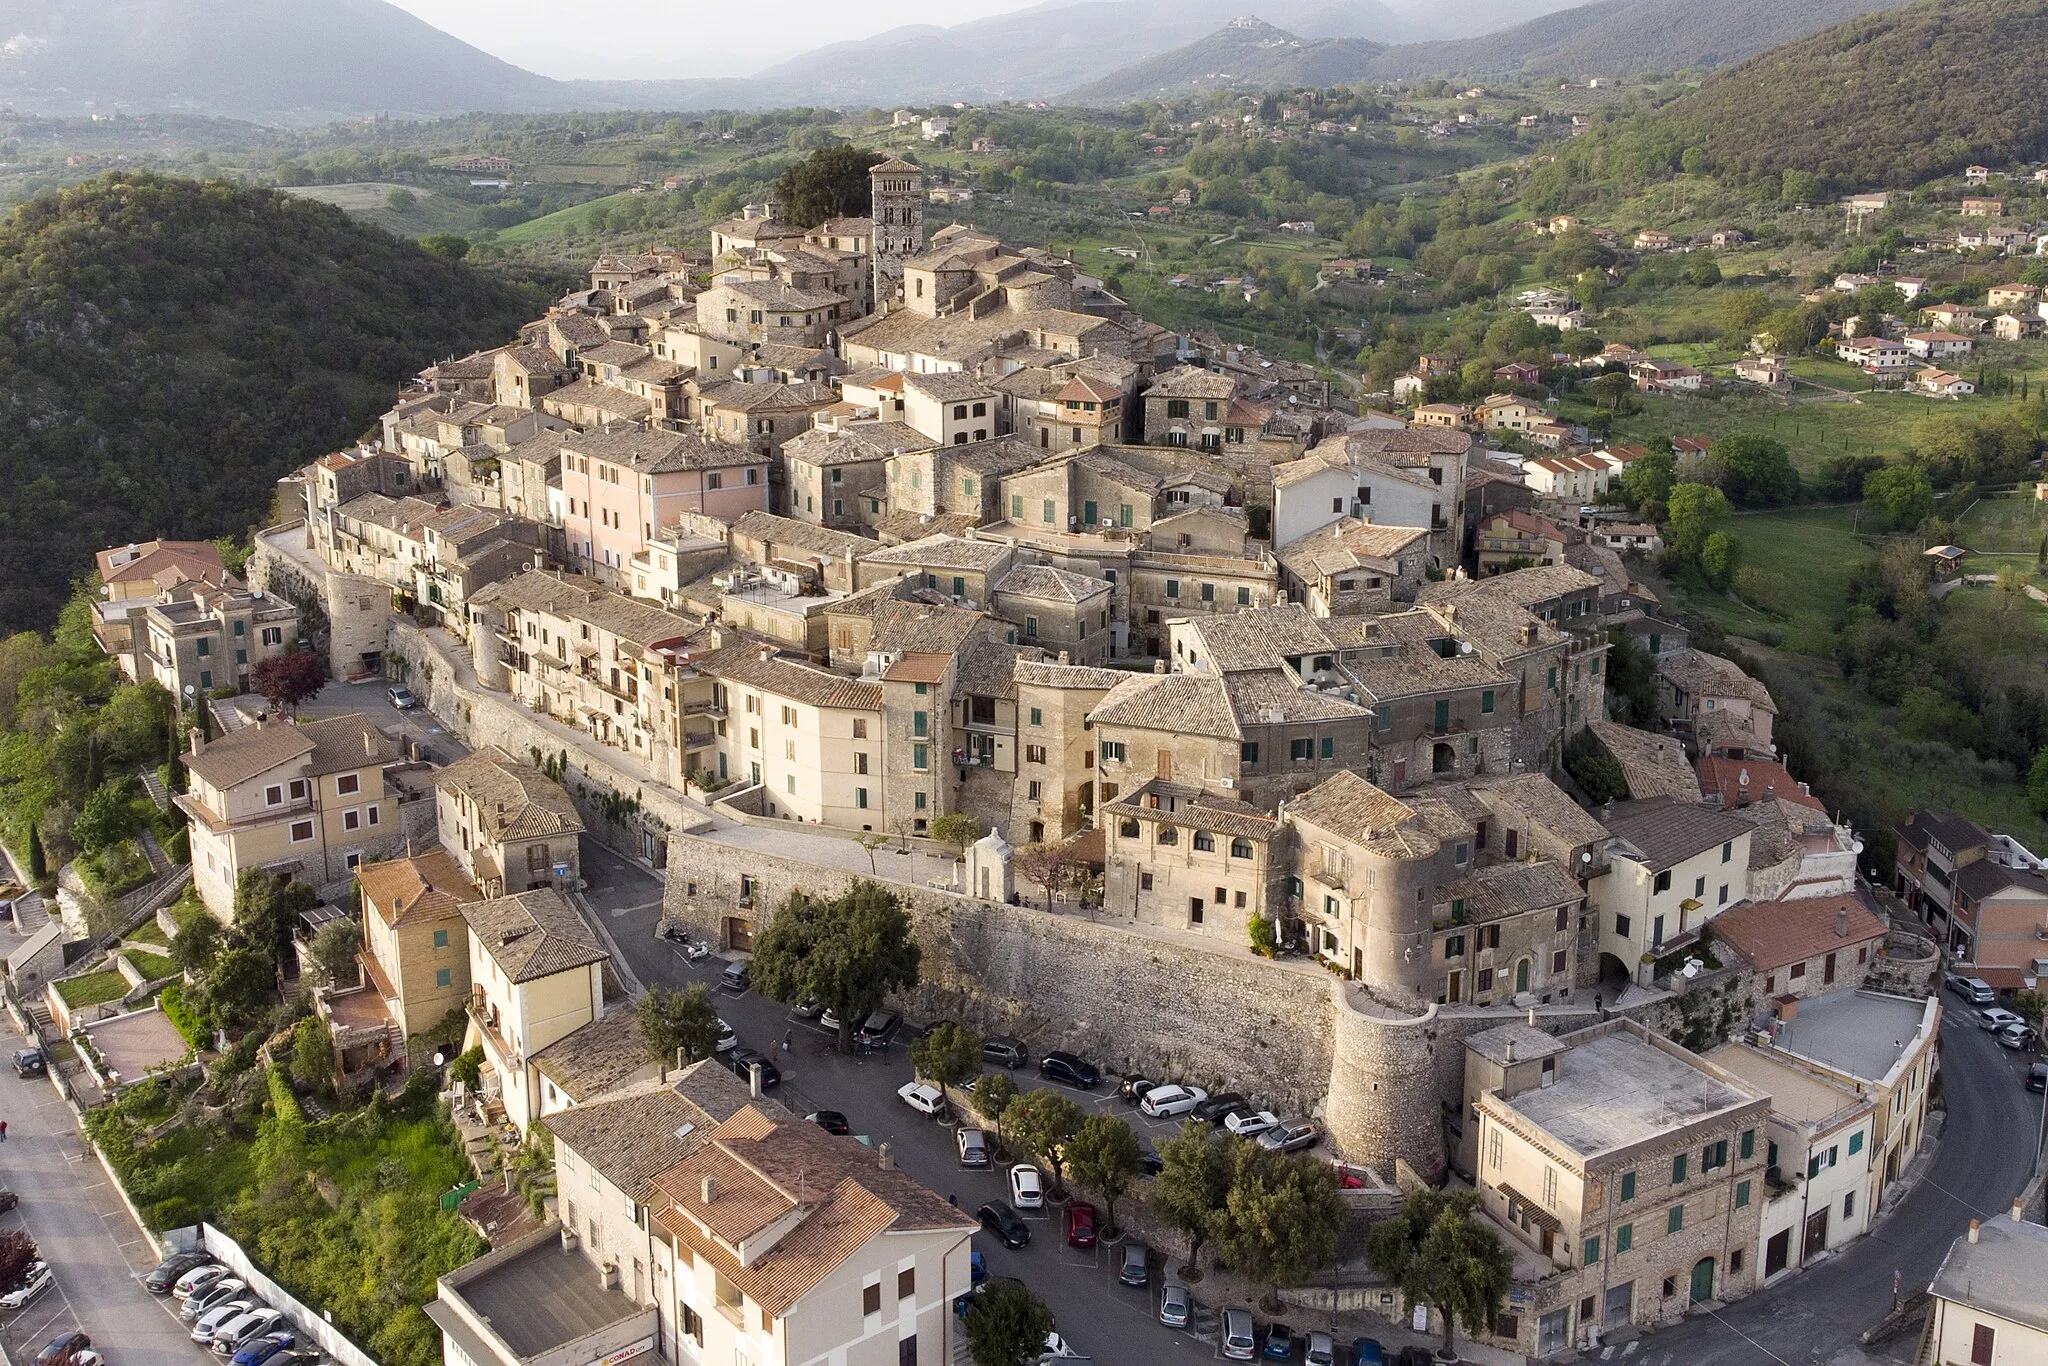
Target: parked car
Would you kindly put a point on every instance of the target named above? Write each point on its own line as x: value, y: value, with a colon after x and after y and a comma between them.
x: 1056, y: 1349
x: 1996, y: 1018
x: 37, y: 1281
x: 806, y: 1009
x: 1239, y: 1344
x: 1004, y: 1051
x: 977, y: 1267
x: 1212, y: 1110
x: 735, y: 977
x: 1133, y: 1087
x: 401, y: 697
x: 160, y: 1281
x: 1027, y: 1190
x: 1367, y: 1352
x: 1279, y: 1343
x: 1250, y: 1124
x: 219, y: 1317
x: 213, y: 1297
x: 197, y: 1279
x: 727, y: 1040
x: 1413, y: 1356
x: 879, y: 1028
x: 1005, y: 1223
x: 2037, y: 1077
x: 8, y: 1199
x: 29, y: 1062
x: 973, y: 1146
x: 1163, y: 1102
x: 1290, y: 1138
x: 744, y: 1060
x: 264, y: 1349
x: 63, y: 1349
x: 1149, y: 1160
x: 1176, y: 1305
x: 1080, y: 1225
x: 1975, y: 990
x: 1135, y: 1268
x: 922, y: 1097
x: 1321, y: 1350
x: 982, y: 1287
x: 829, y: 1019
x: 1071, y: 1070
x: 831, y: 1121
x: 232, y: 1336
x: 2020, y: 1036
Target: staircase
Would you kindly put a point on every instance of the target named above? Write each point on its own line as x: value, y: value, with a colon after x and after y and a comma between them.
x: 158, y: 793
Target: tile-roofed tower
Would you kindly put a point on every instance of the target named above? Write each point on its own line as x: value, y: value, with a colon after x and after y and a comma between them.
x: 898, y: 189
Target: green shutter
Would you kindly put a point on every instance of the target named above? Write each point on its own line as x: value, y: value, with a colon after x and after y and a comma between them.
x: 1675, y: 1221
x: 1592, y: 1251
x: 1678, y: 1170
x: 1742, y: 1195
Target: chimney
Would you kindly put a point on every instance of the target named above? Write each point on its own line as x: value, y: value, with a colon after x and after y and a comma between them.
x: 370, y: 744
x: 767, y: 653
x: 887, y: 1155
x: 199, y: 738
x: 1973, y: 1230
x: 708, y: 1191
x: 2018, y: 1204
x: 1532, y: 1017
x: 1159, y: 666
x: 1841, y: 922
x: 1066, y: 658
x: 754, y: 1080
x: 1511, y: 1053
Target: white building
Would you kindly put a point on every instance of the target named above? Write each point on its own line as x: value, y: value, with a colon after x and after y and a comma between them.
x: 1988, y: 1307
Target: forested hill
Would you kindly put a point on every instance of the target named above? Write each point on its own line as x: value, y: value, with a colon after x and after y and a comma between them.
x: 169, y: 348
x: 1890, y: 100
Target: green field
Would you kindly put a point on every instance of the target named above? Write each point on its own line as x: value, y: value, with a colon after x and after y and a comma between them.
x: 94, y: 988
x: 2008, y: 525
x: 568, y: 223
x: 366, y: 200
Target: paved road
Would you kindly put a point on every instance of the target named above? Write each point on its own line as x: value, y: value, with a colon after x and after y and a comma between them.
x: 72, y: 1211
x: 1813, y: 1319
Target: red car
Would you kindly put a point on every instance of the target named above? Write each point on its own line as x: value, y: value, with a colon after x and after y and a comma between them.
x: 1080, y: 1225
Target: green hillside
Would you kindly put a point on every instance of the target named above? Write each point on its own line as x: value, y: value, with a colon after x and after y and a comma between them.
x: 169, y: 348
x: 574, y: 221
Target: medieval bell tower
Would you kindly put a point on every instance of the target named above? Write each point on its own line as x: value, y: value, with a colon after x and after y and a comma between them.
x: 899, y: 225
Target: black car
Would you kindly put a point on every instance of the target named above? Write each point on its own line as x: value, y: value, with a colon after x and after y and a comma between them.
x: 1212, y: 1110
x: 1004, y: 1050
x: 1070, y: 1069
x: 1413, y: 1356
x: 1150, y: 1162
x: 744, y: 1060
x: 29, y: 1062
x: 1008, y: 1225
x: 831, y: 1121
x: 879, y: 1028
x: 160, y: 1281
x: 62, y: 1348
x: 2037, y: 1077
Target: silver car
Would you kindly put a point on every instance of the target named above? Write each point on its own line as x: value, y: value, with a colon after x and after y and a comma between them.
x: 218, y: 1317
x: 1239, y: 1342
x: 221, y: 1292
x: 258, y: 1322
x: 1175, y: 1305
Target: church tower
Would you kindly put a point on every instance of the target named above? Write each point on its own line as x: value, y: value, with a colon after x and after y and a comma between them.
x: 899, y: 225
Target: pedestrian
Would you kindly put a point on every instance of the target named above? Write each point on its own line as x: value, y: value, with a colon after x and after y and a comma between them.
x: 788, y: 1040
x: 954, y: 1201
x: 3, y: 1128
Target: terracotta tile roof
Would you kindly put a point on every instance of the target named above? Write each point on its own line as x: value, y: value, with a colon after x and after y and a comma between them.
x: 1045, y: 582
x: 948, y: 386
x: 940, y: 552
x: 514, y: 799
x: 631, y: 1138
x: 904, y: 525
x: 422, y: 887
x: 1739, y: 781
x: 658, y: 452
x: 1507, y: 889
x: 1776, y: 934
x: 600, y: 1057
x: 791, y: 679
x: 1191, y: 807
x: 1702, y: 674
x: 1664, y: 833
x: 787, y: 533
x: 185, y: 559
x: 1543, y: 802
x: 916, y: 667
x: 1651, y: 765
x: 1261, y: 639
x: 1348, y: 806
x: 242, y: 754
x: 1040, y: 674
x: 1350, y: 544
x: 534, y: 934
x: 1189, y: 381
x: 1193, y: 704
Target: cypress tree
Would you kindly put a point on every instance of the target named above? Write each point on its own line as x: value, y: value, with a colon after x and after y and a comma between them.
x: 38, y: 865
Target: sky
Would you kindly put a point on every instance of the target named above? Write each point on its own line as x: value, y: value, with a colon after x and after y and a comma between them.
x: 666, y: 38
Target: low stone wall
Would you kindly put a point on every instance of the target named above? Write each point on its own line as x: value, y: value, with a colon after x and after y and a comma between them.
x: 1122, y: 999
x: 1909, y: 965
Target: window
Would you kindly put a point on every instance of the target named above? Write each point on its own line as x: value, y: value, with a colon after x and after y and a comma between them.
x: 1173, y: 588
x: 1112, y: 751
x: 1663, y: 882
x: 298, y: 789
x: 1678, y: 1170
x: 1016, y: 507
x: 351, y: 819
x: 1454, y: 947
x: 1981, y: 1344
x: 205, y: 646
x: 860, y: 730
x: 348, y: 784
x: 1727, y: 850
x: 871, y: 1299
x: 273, y: 795
x: 1675, y: 1220
x: 1208, y: 592
x: 443, y: 977
x: 906, y: 1283
x: 1301, y: 750
x: 1742, y: 1195
x: 920, y: 757
x: 302, y: 831
x: 1205, y: 843
x: 1248, y: 752
x: 1624, y: 1238
x: 1240, y: 848
x: 1049, y: 511
x: 1557, y: 962
x: 1244, y: 597
x: 1169, y: 835
x: 1037, y: 717
x: 1820, y: 1162
x: 1748, y: 1145
x: 1592, y: 1251
x: 906, y: 1348
x: 1034, y: 754
x: 1714, y: 1155
x: 1855, y: 1143
x: 860, y: 798
x: 920, y: 723
x: 1628, y: 1185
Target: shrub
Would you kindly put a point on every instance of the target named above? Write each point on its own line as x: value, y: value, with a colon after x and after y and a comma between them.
x: 183, y: 1018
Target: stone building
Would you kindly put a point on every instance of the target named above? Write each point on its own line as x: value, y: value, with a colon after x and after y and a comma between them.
x: 536, y: 977
x: 898, y: 216
x: 1351, y: 567
x: 1190, y: 860
x: 510, y: 827
x: 1806, y: 947
x: 1054, y: 795
x: 1188, y: 406
x: 1057, y: 611
x: 195, y: 636
x: 1672, y: 867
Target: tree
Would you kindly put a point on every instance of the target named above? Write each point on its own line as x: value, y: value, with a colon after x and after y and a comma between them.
x: 239, y: 986
x: 313, y: 1054
x: 1609, y: 389
x: 445, y: 245
x: 401, y: 200
x: 334, y: 950
x: 1696, y: 511
x: 1901, y: 494
x: 1007, y: 1324
x: 38, y: 863
x: 682, y: 1021
x: 287, y: 680
x: 1753, y: 469
x: 1193, y: 1183
x: 1280, y: 1221
x: 107, y: 818
x: 1439, y: 1256
x: 831, y: 182
x: 872, y: 841
x: 199, y: 938
x: 1595, y: 771
x: 2037, y: 784
x: 1047, y: 864
x: 993, y: 1096
x: 18, y: 1253
x: 1043, y: 1123
x: 1106, y: 1157
x: 948, y: 1055
x: 1719, y: 559
x: 267, y: 905
x: 847, y: 953
x: 957, y: 829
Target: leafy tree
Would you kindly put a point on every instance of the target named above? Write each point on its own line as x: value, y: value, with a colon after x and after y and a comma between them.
x: 1841, y: 476
x: 446, y: 245
x: 199, y: 939
x: 1631, y: 681
x: 18, y: 1253
x: 1753, y: 470
x: 2037, y: 784
x: 1696, y: 511
x: 958, y: 829
x: 1594, y: 769
x: 468, y: 1068
x: 994, y: 1095
x: 267, y: 906
x: 289, y: 679
x: 1043, y: 1123
x: 2030, y: 1006
x: 1719, y: 559
x: 38, y: 863
x: 1438, y: 1255
x: 848, y: 953
x: 1193, y: 1182
x: 239, y: 986
x: 401, y: 200
x: 1901, y: 494
x: 1007, y: 1324
x: 313, y: 1054
x: 831, y: 182
x: 108, y: 817
x: 1049, y: 865
x: 1798, y: 187
x: 1280, y: 1221
x: 1704, y: 272
x: 1609, y: 389
x: 334, y: 950
x: 682, y: 1021
x: 948, y: 1055
x: 1106, y: 1157
x: 1264, y: 934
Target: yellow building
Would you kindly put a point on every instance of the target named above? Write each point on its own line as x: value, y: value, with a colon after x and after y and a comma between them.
x: 536, y: 975
x: 415, y: 941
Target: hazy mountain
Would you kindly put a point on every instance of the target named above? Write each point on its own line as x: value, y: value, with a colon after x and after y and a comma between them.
x: 1619, y: 36
x: 1474, y: 17
x: 1245, y: 52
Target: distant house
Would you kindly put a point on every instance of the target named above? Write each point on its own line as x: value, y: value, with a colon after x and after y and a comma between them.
x: 1953, y: 318
x: 1631, y: 538
x: 935, y: 128
x: 1563, y: 223
x: 1974, y: 207
x: 1912, y: 286
x: 1936, y: 383
x: 1568, y: 318
x: 1160, y: 211
x: 1729, y: 237
x: 1651, y: 239
x: 1183, y: 197
x: 1768, y: 371
x: 1299, y: 225
x: 1879, y: 356
x: 1850, y: 281
x: 1408, y: 387
x: 1652, y: 374
x: 500, y: 165
x: 1504, y: 412
x: 1519, y: 372
x: 1937, y: 345
x: 2015, y: 326
x: 2010, y: 296
x: 1977, y: 175
x: 1876, y: 202
x: 1442, y: 415
x: 1691, y: 445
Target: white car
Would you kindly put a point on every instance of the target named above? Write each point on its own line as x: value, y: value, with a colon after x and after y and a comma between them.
x: 1162, y: 1102
x: 1997, y: 1018
x: 213, y: 1297
x: 727, y: 1040
x: 197, y: 1279
x: 219, y: 1317
x: 923, y: 1097
x: 258, y: 1322
x: 39, y: 1280
x: 1026, y: 1190
x: 1056, y: 1349
x: 1246, y: 1125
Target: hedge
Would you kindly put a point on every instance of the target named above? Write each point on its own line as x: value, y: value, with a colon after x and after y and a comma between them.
x: 188, y: 1024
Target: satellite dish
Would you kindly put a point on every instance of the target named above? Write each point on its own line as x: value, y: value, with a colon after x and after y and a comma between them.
x: 1693, y: 967
x: 440, y: 1058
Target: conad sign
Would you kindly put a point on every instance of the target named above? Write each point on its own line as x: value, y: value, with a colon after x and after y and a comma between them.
x: 626, y: 1353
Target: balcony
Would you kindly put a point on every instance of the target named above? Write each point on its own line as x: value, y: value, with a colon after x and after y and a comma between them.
x: 713, y: 709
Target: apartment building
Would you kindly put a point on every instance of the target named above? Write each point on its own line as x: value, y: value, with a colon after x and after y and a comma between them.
x: 308, y: 801
x: 415, y: 941
x: 1984, y: 896
x: 536, y: 976
x: 1058, y: 611
x: 143, y: 571
x: 195, y: 636
x: 1635, y: 1167
x: 433, y: 556
x: 813, y: 741
x: 1672, y: 867
x: 1986, y: 1301
x: 1188, y: 406
x: 509, y: 826
x: 830, y: 474
x: 1055, y: 788
x: 1192, y: 860
x: 1352, y: 567
x: 1412, y: 476
x: 618, y: 487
